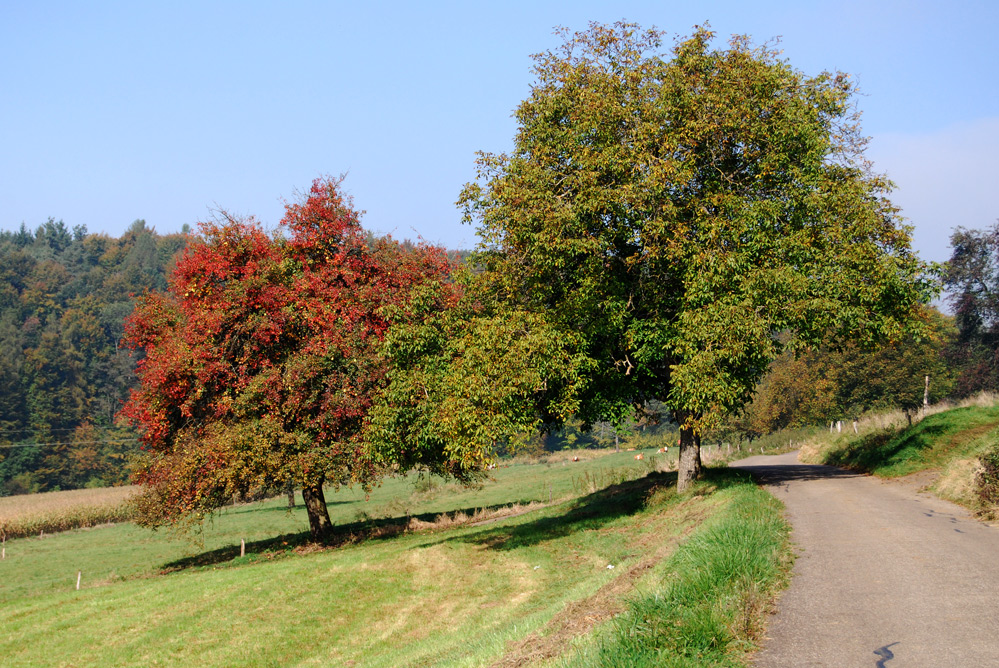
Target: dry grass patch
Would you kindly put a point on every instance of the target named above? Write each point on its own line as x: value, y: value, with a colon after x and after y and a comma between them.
x: 50, y: 512
x: 957, y: 481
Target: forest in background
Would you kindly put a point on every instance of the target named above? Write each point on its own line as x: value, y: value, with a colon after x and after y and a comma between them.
x: 64, y: 297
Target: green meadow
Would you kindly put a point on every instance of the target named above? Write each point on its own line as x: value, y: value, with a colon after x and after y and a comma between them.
x: 552, y: 563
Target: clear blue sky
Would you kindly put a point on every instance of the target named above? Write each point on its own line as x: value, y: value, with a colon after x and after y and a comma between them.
x: 112, y: 111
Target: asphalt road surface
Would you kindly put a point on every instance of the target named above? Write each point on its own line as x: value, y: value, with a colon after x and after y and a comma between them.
x: 885, y: 575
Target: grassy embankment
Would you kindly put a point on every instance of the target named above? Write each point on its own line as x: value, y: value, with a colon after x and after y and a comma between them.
x: 407, y: 587
x: 944, y: 447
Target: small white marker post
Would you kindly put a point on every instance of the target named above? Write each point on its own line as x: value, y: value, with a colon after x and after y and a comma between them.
x: 242, y: 547
x: 78, y: 575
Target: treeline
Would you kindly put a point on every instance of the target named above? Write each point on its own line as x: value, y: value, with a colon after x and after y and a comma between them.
x: 64, y: 374
x: 959, y: 354
x: 827, y: 385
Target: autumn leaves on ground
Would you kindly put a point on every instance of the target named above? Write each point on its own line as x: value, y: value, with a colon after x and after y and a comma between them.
x: 567, y: 583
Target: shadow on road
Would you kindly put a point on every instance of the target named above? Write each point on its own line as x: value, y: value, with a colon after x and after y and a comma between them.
x: 774, y: 474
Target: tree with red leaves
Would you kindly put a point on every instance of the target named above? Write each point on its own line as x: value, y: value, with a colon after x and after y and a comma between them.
x: 264, y: 358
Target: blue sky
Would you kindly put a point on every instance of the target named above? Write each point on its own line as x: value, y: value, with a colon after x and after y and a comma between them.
x: 164, y: 111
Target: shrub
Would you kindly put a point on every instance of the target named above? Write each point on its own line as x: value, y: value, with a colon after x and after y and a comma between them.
x: 987, y: 480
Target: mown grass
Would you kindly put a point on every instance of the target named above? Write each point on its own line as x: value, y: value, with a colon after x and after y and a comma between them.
x: 50, y: 512
x: 271, y: 531
x: 456, y: 594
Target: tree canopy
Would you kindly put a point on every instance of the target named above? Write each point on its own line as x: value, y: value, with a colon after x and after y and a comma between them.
x: 669, y: 214
x: 824, y: 385
x: 972, y: 277
x: 263, y: 358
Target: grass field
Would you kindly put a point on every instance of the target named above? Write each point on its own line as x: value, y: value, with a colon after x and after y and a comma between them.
x: 404, y: 587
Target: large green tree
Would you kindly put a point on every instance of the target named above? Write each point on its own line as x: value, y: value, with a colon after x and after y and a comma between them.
x: 671, y: 212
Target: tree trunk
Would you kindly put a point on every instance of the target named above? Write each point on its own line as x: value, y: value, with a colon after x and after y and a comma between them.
x: 319, y: 517
x: 290, y: 490
x: 689, y: 465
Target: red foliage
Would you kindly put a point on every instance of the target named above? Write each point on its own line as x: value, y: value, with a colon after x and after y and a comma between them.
x: 262, y: 360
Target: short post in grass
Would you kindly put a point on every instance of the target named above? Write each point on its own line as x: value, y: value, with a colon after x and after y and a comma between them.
x: 242, y: 547
x: 79, y: 574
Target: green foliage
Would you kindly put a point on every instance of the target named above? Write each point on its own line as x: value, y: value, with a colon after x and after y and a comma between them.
x: 824, y: 385
x: 972, y: 278
x: 64, y: 375
x: 466, y: 379
x: 987, y: 479
x: 669, y: 213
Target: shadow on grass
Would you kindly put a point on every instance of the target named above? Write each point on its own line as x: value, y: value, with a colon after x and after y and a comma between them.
x: 886, y: 447
x: 895, y: 450
x: 590, y: 512
x: 257, y: 507
x: 343, y: 534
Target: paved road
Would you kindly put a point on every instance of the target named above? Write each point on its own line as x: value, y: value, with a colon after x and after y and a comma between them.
x: 885, y: 576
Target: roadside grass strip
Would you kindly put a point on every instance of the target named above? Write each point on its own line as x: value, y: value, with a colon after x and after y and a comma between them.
x: 931, y: 443
x: 945, y: 447
x: 708, y: 604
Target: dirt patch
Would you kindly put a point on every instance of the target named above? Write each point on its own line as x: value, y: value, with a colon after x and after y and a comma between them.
x: 580, y: 617
x: 917, y: 482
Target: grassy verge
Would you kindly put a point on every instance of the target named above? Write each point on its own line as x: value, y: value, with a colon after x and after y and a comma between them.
x: 108, y: 554
x: 944, y: 446
x: 705, y: 605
